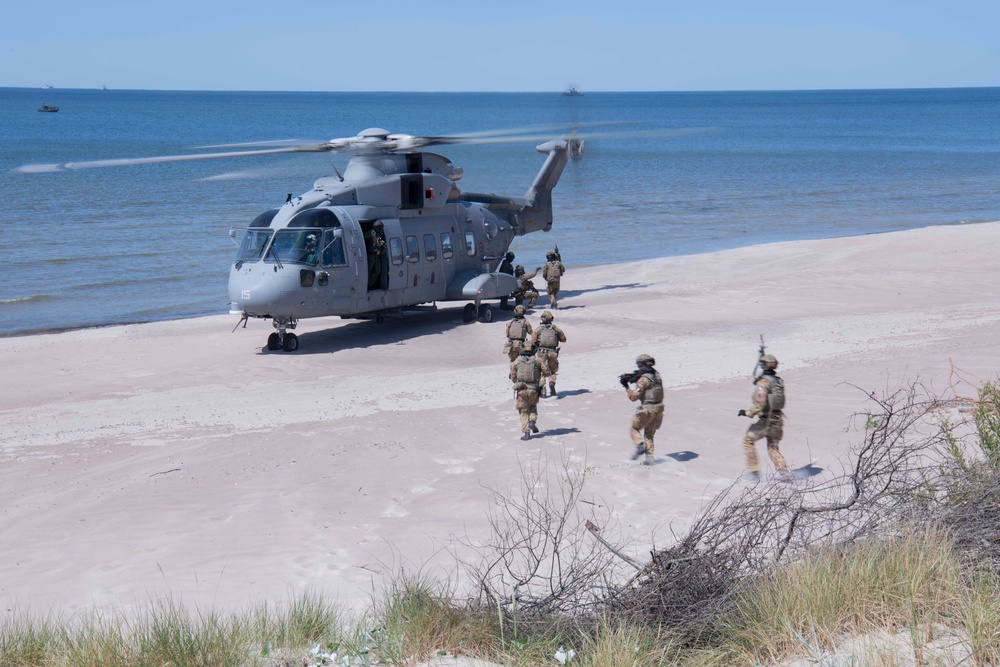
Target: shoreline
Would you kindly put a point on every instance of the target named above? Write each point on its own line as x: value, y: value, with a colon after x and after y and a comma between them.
x: 178, y: 458
x: 65, y: 329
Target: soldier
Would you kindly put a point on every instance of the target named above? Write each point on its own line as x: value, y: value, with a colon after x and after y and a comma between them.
x: 553, y: 271
x: 525, y: 372
x: 506, y: 266
x: 518, y: 330
x: 768, y: 401
x: 547, y: 338
x: 526, y: 290
x: 649, y: 414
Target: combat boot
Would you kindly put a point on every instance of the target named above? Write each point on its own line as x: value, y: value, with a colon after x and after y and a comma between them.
x: 639, y: 451
x: 552, y: 389
x: 541, y: 390
x: 534, y: 429
x: 648, y: 461
x: 525, y: 436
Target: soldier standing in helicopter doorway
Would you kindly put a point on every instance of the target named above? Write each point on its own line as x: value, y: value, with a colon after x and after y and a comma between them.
x: 525, y: 373
x: 518, y: 330
x: 649, y: 414
x: 768, y: 401
x: 506, y: 266
x: 552, y: 273
x: 547, y: 338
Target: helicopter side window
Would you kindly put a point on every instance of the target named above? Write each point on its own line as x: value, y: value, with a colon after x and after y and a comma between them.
x: 447, y: 250
x: 470, y: 244
x: 412, y: 250
x: 396, y: 250
x: 430, y: 250
x: 253, y: 244
x: 333, y: 248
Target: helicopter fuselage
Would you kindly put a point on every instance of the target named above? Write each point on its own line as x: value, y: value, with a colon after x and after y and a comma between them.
x: 393, y: 232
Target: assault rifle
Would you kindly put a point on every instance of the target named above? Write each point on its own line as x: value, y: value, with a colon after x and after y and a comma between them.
x: 760, y: 355
x: 630, y: 378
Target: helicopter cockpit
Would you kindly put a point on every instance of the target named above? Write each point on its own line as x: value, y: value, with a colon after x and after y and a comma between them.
x: 312, y: 237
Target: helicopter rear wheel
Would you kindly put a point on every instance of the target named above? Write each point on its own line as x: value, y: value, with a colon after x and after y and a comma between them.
x: 291, y: 343
x: 274, y: 342
x: 470, y: 312
x: 485, y: 313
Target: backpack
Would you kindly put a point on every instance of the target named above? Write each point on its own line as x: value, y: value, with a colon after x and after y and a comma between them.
x: 775, y: 394
x: 517, y: 330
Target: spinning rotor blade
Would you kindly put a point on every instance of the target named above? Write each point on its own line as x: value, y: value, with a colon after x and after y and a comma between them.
x: 91, y: 164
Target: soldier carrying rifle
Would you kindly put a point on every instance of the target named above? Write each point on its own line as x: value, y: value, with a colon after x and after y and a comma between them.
x: 649, y: 414
x: 768, y: 402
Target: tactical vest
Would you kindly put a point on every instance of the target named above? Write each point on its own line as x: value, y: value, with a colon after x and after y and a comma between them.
x: 547, y: 336
x: 526, y: 370
x: 654, y: 394
x: 518, y: 329
x: 775, y: 393
x: 551, y: 272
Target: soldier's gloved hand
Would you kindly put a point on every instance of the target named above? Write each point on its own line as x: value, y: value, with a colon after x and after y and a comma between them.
x: 741, y: 413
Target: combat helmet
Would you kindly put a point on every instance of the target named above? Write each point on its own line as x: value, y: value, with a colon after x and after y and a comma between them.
x: 527, y: 347
x: 519, y: 270
x: 768, y: 362
x: 509, y: 256
x: 547, y: 316
x: 550, y: 255
x: 519, y: 310
x: 645, y: 360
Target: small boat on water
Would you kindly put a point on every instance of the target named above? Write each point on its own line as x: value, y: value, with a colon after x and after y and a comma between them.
x: 572, y: 92
x: 50, y: 109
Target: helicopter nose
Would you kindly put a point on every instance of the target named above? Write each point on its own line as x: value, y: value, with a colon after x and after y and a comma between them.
x: 253, y: 293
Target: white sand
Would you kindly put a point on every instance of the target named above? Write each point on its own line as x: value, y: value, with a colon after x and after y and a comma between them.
x: 179, y: 458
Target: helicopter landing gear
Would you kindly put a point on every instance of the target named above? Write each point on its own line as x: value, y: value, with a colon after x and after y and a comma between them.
x: 485, y: 312
x: 282, y: 339
x: 379, y: 317
x: 470, y: 312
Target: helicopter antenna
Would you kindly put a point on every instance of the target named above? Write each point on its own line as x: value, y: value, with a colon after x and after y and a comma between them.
x: 339, y: 175
x: 288, y: 198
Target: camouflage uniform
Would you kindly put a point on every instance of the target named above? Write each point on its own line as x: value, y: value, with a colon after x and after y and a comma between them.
x: 518, y: 330
x: 546, y: 340
x: 768, y: 425
x: 506, y: 266
x: 525, y: 290
x: 525, y: 372
x: 648, y: 415
x: 553, y: 271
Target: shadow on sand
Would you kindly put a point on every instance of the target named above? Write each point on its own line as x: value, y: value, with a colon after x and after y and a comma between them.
x: 578, y: 292
x: 556, y: 432
x: 806, y: 471
x: 682, y: 456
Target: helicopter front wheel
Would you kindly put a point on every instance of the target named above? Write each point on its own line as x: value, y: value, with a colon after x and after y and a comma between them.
x: 274, y: 341
x: 485, y: 312
x: 291, y: 342
x: 470, y: 312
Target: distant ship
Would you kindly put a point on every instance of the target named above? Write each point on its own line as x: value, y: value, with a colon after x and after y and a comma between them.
x: 45, y: 85
x: 572, y: 92
x: 104, y: 87
x: 46, y: 107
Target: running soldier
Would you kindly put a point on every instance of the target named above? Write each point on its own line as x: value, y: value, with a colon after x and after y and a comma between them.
x: 649, y: 414
x: 525, y: 373
x: 768, y: 401
x: 525, y: 289
x: 552, y: 273
x: 518, y: 330
x: 547, y: 338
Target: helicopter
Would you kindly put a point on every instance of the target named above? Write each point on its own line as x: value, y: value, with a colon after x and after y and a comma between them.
x: 393, y: 232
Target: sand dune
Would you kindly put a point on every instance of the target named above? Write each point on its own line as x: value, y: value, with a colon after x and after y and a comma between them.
x: 180, y: 458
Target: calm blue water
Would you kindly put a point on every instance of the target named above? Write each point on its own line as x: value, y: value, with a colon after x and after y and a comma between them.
x: 151, y: 242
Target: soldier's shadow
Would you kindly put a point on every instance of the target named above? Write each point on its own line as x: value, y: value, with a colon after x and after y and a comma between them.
x: 578, y: 292
x: 557, y: 432
x: 571, y: 392
x: 806, y: 471
x: 682, y: 456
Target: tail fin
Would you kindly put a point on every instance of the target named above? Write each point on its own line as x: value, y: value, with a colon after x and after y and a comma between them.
x: 538, y: 198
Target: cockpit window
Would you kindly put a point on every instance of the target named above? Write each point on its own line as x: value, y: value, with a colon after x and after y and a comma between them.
x: 264, y: 219
x: 299, y: 246
x: 253, y: 244
x: 333, y: 248
x: 315, y: 217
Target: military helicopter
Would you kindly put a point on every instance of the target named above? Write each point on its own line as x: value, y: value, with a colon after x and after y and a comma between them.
x: 393, y: 232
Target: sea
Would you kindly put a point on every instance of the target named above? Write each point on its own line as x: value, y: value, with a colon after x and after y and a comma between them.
x: 674, y: 173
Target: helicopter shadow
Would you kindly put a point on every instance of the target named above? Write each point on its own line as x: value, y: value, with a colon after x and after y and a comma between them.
x: 368, y: 333
x: 578, y: 292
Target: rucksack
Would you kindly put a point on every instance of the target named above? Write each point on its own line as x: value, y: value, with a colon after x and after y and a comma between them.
x: 775, y: 393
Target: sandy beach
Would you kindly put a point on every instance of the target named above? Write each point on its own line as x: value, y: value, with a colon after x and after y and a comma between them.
x: 179, y: 458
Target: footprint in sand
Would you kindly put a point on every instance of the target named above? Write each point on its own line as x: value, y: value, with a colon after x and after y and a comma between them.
x: 459, y: 470
x: 394, y: 511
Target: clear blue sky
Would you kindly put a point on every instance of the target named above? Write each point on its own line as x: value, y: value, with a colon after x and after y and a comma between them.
x: 511, y: 45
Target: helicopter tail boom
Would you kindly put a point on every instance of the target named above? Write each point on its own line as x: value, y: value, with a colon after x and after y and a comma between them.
x: 538, y: 198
